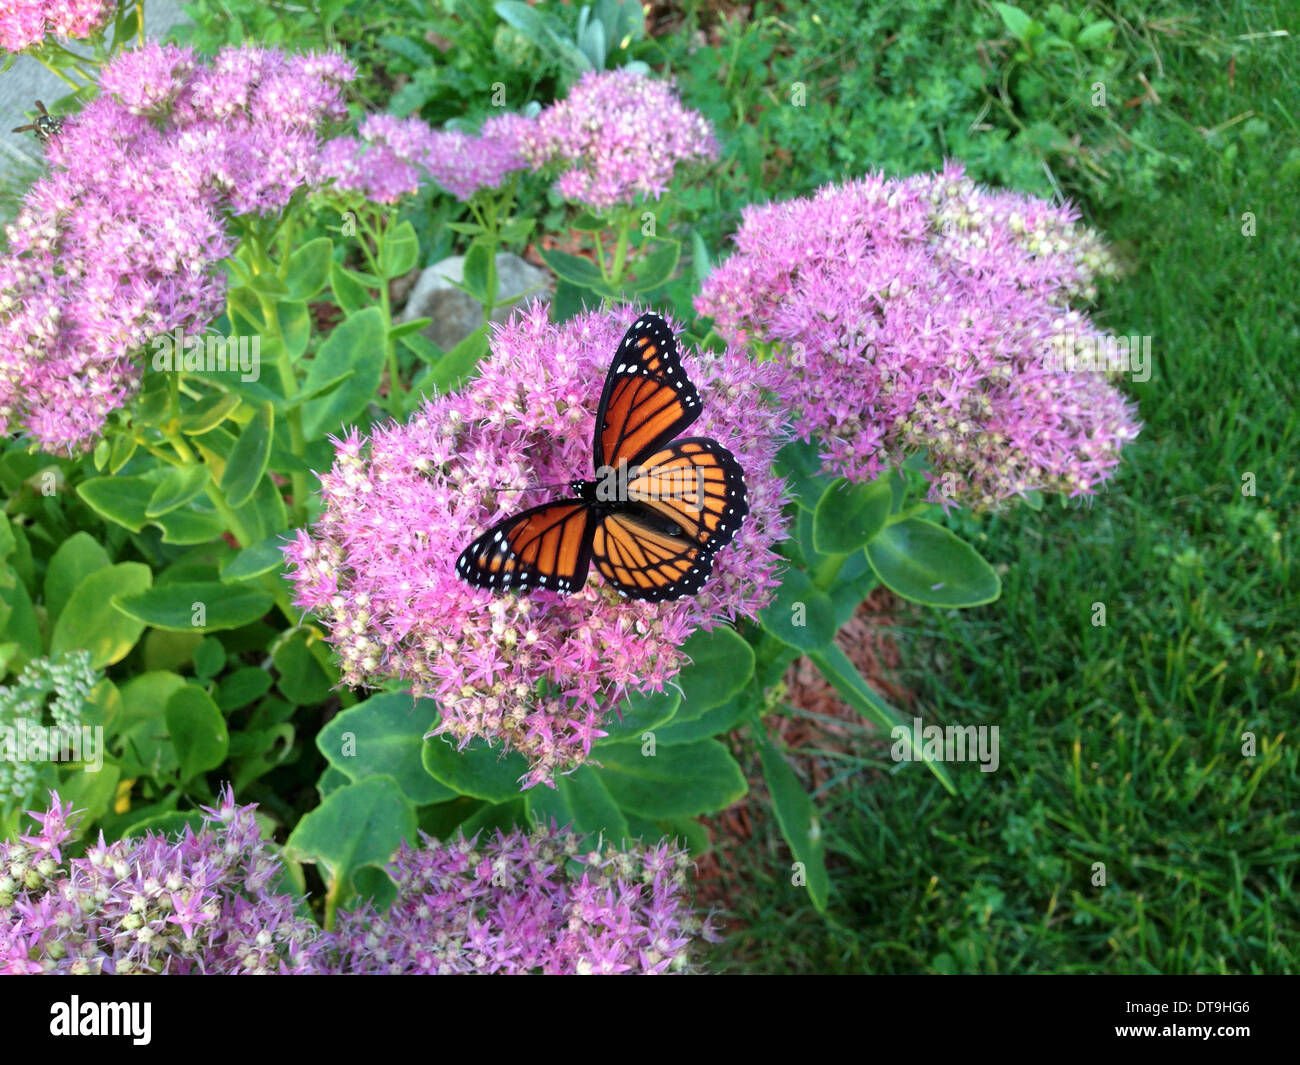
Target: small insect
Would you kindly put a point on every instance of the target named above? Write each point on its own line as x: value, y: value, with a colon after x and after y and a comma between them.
x: 678, y: 500
x: 45, y: 125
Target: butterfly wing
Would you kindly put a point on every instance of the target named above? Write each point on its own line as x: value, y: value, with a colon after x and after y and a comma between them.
x: 697, y: 483
x: 645, y: 556
x: 647, y: 398
x: 544, y: 547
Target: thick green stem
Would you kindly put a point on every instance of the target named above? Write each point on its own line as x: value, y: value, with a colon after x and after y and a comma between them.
x: 827, y: 570
x: 620, y: 250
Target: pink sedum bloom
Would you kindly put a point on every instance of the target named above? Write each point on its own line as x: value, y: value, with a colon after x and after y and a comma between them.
x: 509, y: 905
x: 392, y: 156
x: 122, y: 240
x: 618, y: 137
x: 379, y: 567
x: 207, y: 902
x: 24, y: 23
x: 922, y: 315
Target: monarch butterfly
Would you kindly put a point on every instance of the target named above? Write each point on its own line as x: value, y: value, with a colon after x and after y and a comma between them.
x: 45, y: 126
x: 663, y: 505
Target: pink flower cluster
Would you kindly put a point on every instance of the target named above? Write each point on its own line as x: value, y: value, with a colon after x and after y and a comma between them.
x: 199, y: 903
x: 122, y: 240
x: 24, y: 23
x: 388, y: 159
x: 206, y: 903
x: 539, y: 671
x: 510, y: 905
x: 921, y: 315
x: 618, y: 136
x: 464, y: 163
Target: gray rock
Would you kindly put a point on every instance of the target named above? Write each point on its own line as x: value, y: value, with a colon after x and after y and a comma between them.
x: 455, y: 314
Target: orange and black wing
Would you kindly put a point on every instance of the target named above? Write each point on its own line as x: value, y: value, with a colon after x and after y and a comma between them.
x: 544, y: 547
x: 645, y: 556
x: 697, y: 483
x: 647, y: 398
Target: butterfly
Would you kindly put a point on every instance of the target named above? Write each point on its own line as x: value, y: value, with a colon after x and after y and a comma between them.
x: 661, y: 507
x: 45, y: 126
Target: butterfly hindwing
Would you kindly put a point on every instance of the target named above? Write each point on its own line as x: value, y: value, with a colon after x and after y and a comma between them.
x: 647, y: 399
x: 646, y: 557
x: 544, y: 547
x: 697, y: 483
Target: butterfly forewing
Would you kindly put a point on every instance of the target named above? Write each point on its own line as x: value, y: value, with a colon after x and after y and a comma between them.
x: 647, y: 399
x: 544, y: 547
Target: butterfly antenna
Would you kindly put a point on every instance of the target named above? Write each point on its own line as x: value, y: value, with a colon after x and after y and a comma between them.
x: 534, y: 488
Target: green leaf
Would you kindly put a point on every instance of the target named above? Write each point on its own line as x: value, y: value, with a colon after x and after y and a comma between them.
x: 1096, y: 35
x: 19, y: 627
x: 309, y: 268
x: 721, y: 664
x: 385, y: 734
x: 303, y: 680
x: 358, y: 825
x: 350, y: 290
x: 478, y: 272
x: 358, y: 344
x: 799, y: 463
x: 405, y: 329
x: 836, y: 667
x: 196, y: 606
x: 682, y: 780
x: 190, y: 526
x: 91, y: 621
x: 848, y: 516
x: 242, y: 687
x: 701, y: 263
x: 178, y: 487
x: 401, y: 250
x: 927, y: 564
x: 197, y: 731
x: 478, y: 771
x: 640, y: 713
x: 800, y: 614
x: 121, y: 500
x: 581, y: 272
x: 456, y: 365
x: 208, y: 413
x: 294, y: 321
x: 120, y: 454
x: 258, y: 558
x: 656, y: 268
x: 209, y: 657
x: 797, y: 817
x: 1023, y: 28
x: 579, y: 799
x: 248, y: 458
x: 712, y: 722
x: 76, y: 559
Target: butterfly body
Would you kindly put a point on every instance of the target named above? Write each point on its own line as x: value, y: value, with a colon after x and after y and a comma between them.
x: 661, y: 505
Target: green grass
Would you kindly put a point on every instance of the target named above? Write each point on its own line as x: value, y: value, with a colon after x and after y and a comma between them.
x: 1120, y: 744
